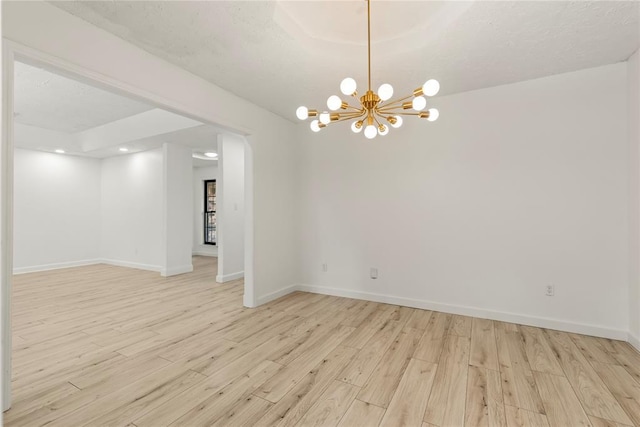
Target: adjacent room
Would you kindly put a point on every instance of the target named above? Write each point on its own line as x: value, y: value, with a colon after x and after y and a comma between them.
x: 93, y: 173
x: 345, y: 213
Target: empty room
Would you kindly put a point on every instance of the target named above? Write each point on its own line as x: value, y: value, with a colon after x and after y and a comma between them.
x: 328, y: 213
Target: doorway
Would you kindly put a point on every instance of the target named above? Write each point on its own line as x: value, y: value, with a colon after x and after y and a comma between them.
x: 15, y: 52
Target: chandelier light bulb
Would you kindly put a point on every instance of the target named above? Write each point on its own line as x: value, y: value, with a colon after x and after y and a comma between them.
x: 325, y: 118
x: 383, y: 130
x: 334, y: 103
x: 385, y: 91
x: 348, y: 86
x: 398, y: 122
x: 431, y: 87
x: 356, y: 126
x: 433, y: 114
x: 302, y: 113
x: 418, y: 103
x: 315, y: 126
x: 370, y: 131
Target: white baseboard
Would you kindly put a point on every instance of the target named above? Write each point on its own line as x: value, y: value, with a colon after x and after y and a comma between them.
x: 174, y: 271
x: 201, y: 253
x: 634, y: 341
x: 229, y: 277
x: 118, y: 263
x: 56, y: 266
x: 139, y: 266
x: 540, y: 322
x: 277, y: 294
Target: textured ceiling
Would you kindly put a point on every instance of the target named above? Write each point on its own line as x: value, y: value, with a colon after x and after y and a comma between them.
x: 50, y: 101
x: 282, y: 54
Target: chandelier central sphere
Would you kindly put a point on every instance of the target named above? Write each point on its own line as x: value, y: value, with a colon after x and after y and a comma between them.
x: 375, y: 112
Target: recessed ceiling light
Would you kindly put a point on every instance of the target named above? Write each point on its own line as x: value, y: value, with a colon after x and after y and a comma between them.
x: 203, y: 156
x: 60, y: 151
x: 212, y: 155
x: 123, y: 149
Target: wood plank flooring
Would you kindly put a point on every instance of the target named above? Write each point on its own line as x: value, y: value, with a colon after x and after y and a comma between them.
x: 104, y: 345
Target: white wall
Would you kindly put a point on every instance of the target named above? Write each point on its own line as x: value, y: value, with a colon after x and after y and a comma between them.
x: 633, y: 74
x: 513, y: 188
x: 6, y: 226
x: 199, y: 176
x: 177, y: 209
x: 132, y: 210
x: 230, y: 200
x: 56, y: 210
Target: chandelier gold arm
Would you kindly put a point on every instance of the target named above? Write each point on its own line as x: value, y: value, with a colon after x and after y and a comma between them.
x: 339, y: 117
x: 370, y: 118
x: 342, y: 119
x: 421, y: 114
x: 398, y: 109
x: 353, y: 108
x: 347, y: 116
x: 355, y: 113
x: 392, y: 103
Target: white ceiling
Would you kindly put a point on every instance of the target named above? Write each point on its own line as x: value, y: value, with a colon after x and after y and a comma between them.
x: 280, y: 54
x: 53, y: 112
x: 50, y: 101
x: 201, y: 139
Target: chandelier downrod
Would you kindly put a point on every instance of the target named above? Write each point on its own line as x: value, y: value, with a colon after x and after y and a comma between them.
x: 369, y: 39
x: 373, y: 106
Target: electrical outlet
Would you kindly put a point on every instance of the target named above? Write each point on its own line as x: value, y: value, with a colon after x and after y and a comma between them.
x: 550, y: 290
x: 373, y: 273
x: 324, y: 267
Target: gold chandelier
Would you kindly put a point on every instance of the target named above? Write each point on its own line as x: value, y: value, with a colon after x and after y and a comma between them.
x: 374, y: 110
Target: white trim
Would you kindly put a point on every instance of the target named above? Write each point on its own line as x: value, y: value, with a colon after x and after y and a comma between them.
x: 56, y: 266
x: 201, y: 253
x: 229, y: 277
x: 171, y: 272
x: 6, y: 221
x: 634, y: 341
x: 128, y: 264
x: 541, y: 322
x: 174, y: 271
x: 277, y: 294
x: 249, y: 297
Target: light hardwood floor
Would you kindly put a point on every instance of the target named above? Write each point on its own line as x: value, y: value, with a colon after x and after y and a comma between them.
x: 104, y: 345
